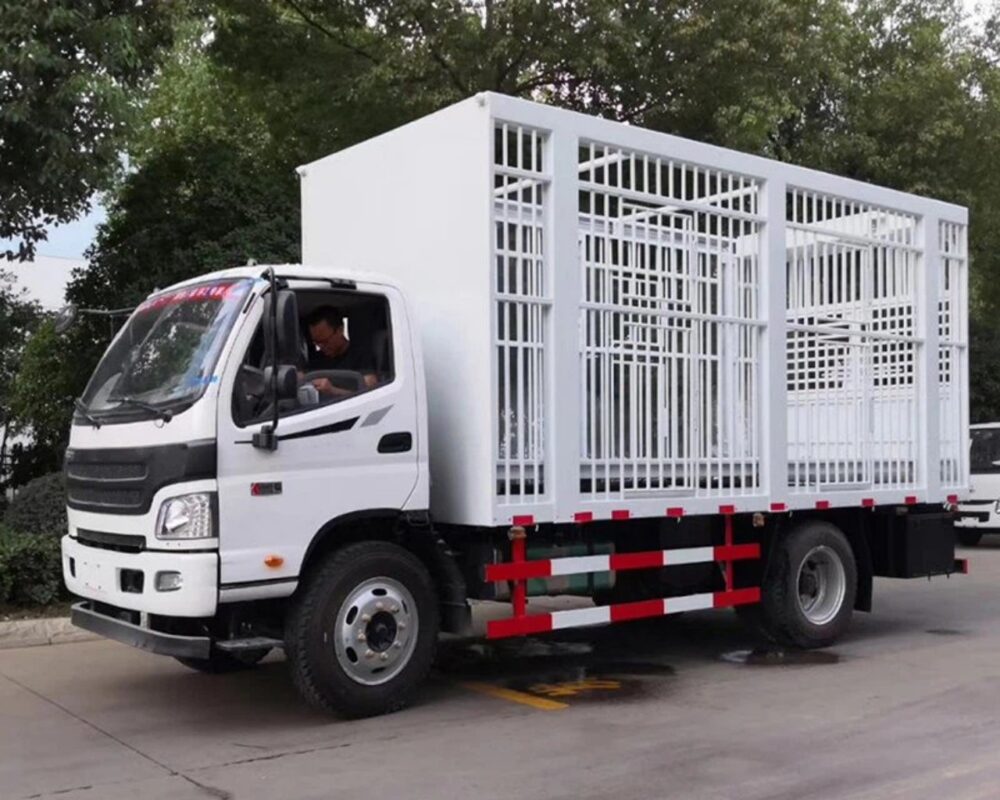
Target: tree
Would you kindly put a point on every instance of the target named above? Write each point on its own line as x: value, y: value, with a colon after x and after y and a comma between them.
x: 331, y: 74
x: 41, y: 401
x: 18, y: 317
x: 891, y: 91
x: 69, y: 75
x: 984, y: 378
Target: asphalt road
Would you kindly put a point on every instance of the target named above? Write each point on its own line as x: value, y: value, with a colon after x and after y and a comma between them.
x: 907, y: 706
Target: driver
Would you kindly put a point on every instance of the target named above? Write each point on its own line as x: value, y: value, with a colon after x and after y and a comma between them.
x: 332, y: 350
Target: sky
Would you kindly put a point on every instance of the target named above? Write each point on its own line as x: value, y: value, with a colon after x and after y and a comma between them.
x: 71, y: 239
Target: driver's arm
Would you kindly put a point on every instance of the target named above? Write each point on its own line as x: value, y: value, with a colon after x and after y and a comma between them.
x: 327, y: 389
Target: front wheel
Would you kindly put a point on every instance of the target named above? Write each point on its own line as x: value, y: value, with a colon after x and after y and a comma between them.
x: 809, y: 587
x: 361, y: 636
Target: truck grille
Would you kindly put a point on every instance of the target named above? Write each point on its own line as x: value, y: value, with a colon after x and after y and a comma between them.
x: 105, y: 499
x: 120, y: 542
x: 106, y: 472
x: 123, y: 480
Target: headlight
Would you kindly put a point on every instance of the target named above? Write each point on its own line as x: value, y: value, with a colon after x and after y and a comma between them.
x: 997, y: 507
x: 186, y: 517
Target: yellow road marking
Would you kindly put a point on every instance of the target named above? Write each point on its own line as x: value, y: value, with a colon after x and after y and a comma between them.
x: 516, y: 697
x: 570, y: 688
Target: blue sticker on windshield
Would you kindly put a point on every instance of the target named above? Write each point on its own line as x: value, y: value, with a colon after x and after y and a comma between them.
x: 199, y: 380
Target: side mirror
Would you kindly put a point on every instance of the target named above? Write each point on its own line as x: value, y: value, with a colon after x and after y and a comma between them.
x: 283, y: 321
x: 288, y: 381
x: 65, y: 318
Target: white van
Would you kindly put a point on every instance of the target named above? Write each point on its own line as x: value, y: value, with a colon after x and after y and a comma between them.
x: 979, y: 512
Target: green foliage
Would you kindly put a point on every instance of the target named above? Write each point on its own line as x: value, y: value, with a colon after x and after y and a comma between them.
x: 897, y: 92
x: 39, y: 508
x: 30, y: 569
x: 984, y: 376
x: 18, y: 316
x: 69, y: 74
x: 330, y: 74
x: 51, y: 372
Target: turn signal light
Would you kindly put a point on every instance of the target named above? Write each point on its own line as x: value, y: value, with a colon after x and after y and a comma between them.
x: 273, y: 561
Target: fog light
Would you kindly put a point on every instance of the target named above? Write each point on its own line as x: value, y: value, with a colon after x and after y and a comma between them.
x: 72, y: 566
x: 168, y: 581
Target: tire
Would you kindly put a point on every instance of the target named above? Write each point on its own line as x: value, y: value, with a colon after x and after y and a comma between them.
x: 339, y: 612
x: 220, y: 662
x: 968, y: 538
x: 809, y: 588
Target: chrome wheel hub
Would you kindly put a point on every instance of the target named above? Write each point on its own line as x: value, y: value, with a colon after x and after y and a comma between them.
x: 822, y: 585
x: 376, y: 631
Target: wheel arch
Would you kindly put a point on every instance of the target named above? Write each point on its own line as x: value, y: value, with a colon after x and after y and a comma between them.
x: 410, y: 530
x: 853, y: 525
x: 355, y: 526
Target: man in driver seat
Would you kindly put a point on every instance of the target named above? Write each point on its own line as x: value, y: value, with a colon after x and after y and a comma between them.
x: 332, y: 350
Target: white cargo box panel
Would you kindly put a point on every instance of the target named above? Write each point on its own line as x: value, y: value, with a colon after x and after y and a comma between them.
x: 622, y: 323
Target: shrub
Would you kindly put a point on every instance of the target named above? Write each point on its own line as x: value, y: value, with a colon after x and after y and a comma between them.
x: 39, y: 507
x: 30, y: 569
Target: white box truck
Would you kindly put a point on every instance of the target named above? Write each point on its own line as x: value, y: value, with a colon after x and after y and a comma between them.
x: 979, y: 510
x: 529, y: 352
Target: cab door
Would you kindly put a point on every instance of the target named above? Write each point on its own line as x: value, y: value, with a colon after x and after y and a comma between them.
x: 345, y: 457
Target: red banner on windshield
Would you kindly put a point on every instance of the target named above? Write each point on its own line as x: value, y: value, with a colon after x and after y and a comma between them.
x: 216, y: 292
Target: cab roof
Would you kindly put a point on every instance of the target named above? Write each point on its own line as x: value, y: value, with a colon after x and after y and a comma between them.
x: 290, y: 270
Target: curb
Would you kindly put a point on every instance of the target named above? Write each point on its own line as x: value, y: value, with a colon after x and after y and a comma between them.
x: 37, y: 632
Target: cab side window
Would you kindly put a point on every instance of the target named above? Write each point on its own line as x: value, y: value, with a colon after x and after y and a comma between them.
x: 346, y: 351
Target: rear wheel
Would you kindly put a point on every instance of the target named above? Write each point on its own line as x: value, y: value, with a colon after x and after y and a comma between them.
x: 220, y: 662
x: 809, y: 587
x: 968, y: 538
x: 362, y: 634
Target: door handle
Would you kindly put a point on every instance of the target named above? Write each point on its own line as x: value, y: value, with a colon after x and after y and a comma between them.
x: 401, y: 442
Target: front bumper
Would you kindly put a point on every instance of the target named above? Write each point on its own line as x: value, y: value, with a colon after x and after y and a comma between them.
x: 95, y: 573
x: 981, y: 516
x: 85, y: 615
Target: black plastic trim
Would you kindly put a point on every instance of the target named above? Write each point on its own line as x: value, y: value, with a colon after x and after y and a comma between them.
x: 336, y: 427
x: 83, y: 615
x: 122, y: 542
x: 400, y: 442
x: 133, y: 475
x: 322, y: 430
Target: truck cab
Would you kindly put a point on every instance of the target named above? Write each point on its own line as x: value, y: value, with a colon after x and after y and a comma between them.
x: 199, y: 491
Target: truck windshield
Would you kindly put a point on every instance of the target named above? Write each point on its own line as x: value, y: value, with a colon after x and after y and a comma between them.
x: 164, y: 356
x: 985, y: 450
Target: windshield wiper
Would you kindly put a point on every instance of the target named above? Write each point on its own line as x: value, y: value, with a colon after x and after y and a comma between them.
x: 84, y: 412
x: 163, y: 414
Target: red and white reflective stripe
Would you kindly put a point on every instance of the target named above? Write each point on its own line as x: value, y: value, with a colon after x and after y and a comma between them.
x: 573, y: 566
x: 576, y: 565
x: 621, y: 612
